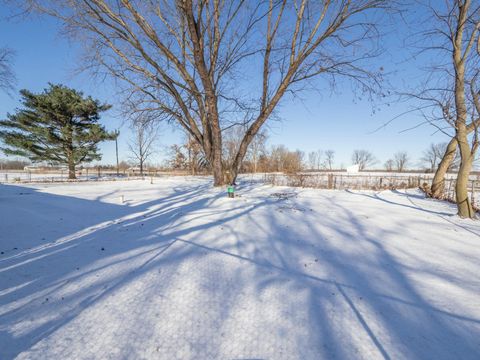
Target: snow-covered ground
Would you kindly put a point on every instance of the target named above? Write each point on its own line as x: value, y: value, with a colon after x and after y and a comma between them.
x: 176, y: 270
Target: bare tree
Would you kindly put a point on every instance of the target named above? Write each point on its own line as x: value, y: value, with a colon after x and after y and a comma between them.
x: 299, y: 159
x: 276, y: 157
x: 178, y: 160
x: 389, y: 164
x: 257, y: 148
x: 451, y: 89
x: 7, y: 77
x: 329, y: 159
x: 449, y: 160
x: 232, y: 138
x: 196, y: 159
x: 142, y: 145
x: 284, y: 160
x: 401, y: 160
x: 363, y: 159
x: 186, y: 59
x: 431, y: 156
x: 434, y: 156
x: 312, y: 160
x: 319, y: 158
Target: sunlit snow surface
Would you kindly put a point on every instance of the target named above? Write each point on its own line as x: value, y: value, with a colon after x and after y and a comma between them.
x: 176, y: 270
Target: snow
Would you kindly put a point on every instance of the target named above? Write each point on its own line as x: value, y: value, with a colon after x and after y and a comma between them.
x: 353, y: 169
x: 179, y: 271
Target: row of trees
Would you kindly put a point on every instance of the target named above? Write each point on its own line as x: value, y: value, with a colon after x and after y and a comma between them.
x: 276, y: 159
x: 321, y: 160
x: 279, y: 158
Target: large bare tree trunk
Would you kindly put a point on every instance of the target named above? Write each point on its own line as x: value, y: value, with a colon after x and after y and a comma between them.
x: 438, y: 183
x: 219, y: 178
x: 465, y: 209
x: 218, y: 175
x: 467, y: 153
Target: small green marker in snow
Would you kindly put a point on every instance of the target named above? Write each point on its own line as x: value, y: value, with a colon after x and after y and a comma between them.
x: 231, y: 191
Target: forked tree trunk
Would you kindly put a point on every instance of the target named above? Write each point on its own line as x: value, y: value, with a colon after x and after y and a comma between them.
x: 467, y: 153
x: 438, y: 182
x: 465, y: 209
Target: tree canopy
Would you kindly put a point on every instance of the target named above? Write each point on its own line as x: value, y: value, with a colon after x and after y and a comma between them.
x: 59, y: 125
x: 7, y: 76
x: 211, y: 65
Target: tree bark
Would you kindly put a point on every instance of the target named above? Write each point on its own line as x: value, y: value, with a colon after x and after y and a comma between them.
x: 70, y: 157
x: 465, y: 209
x: 219, y: 177
x: 467, y: 154
x: 71, y: 170
x: 438, y: 182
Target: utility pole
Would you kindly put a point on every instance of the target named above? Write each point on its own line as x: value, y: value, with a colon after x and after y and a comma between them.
x: 117, y: 133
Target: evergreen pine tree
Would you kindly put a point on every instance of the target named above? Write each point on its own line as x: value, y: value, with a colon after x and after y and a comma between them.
x: 59, y: 125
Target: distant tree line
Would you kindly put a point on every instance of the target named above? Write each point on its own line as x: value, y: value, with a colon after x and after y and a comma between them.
x: 13, y: 164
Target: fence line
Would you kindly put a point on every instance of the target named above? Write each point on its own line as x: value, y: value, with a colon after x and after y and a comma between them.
x: 333, y: 180
x: 336, y: 181
x: 90, y: 174
x: 449, y: 192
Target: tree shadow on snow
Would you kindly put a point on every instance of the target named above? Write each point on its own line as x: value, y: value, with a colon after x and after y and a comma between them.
x: 342, y: 287
x: 88, y: 239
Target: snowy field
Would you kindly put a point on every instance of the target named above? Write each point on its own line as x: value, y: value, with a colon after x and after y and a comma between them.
x: 176, y: 270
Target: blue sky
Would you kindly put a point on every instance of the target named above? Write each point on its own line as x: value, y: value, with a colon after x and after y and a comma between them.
x: 328, y: 120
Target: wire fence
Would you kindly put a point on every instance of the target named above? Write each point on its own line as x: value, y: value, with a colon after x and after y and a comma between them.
x: 336, y: 181
x: 449, y: 192
x: 90, y: 174
x: 319, y: 180
x: 386, y: 181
